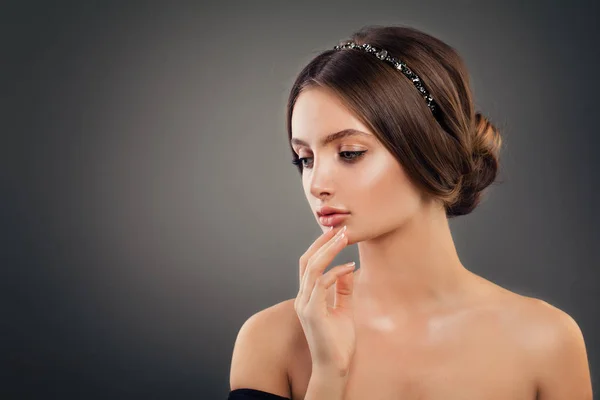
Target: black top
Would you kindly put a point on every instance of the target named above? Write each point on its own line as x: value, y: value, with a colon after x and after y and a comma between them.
x: 253, y: 394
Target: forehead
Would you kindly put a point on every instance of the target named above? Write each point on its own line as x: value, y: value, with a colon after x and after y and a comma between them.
x: 318, y: 112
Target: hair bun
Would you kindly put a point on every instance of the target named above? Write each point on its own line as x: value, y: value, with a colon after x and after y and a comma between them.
x: 486, y: 146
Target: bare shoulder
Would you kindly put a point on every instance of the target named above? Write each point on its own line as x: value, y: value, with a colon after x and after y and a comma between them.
x: 547, y: 329
x: 552, y: 342
x: 557, y: 348
x: 262, y: 349
x: 537, y: 322
x: 542, y: 315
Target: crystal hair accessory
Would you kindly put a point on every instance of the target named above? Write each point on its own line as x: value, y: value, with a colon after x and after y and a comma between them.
x: 398, y: 64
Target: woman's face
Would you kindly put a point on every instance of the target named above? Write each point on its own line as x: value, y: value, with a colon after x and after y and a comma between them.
x: 371, y: 185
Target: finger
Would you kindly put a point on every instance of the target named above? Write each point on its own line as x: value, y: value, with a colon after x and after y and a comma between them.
x: 318, y: 296
x: 316, y: 245
x: 318, y: 263
x: 309, y: 264
x: 344, y: 287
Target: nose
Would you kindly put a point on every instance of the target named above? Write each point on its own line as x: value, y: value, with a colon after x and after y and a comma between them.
x: 321, y: 179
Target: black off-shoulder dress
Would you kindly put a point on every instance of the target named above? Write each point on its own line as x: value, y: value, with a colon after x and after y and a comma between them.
x: 253, y: 394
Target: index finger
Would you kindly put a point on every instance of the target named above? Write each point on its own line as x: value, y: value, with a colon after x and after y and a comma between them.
x: 312, y: 249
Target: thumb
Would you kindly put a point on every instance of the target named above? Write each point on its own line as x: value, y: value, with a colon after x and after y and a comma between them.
x: 344, y: 286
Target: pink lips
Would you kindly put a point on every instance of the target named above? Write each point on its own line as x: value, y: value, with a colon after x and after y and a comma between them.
x: 332, y: 219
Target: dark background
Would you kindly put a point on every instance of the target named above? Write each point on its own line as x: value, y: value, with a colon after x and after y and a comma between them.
x: 149, y: 205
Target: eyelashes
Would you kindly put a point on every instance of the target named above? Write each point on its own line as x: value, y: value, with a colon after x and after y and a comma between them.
x: 351, y: 157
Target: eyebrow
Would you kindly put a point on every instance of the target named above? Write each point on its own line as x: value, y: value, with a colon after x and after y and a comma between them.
x: 333, y: 137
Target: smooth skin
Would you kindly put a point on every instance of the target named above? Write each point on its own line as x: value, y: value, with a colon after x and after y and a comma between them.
x: 424, y: 327
x: 329, y: 330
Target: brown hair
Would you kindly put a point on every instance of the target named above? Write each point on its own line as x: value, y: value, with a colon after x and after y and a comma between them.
x: 451, y: 154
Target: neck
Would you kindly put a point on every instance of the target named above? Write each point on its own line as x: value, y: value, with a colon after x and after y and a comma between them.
x: 415, y: 266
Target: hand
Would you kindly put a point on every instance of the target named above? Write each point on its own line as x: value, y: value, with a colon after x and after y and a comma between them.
x: 329, y: 330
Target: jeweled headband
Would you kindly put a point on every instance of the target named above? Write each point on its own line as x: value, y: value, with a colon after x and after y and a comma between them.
x: 398, y: 64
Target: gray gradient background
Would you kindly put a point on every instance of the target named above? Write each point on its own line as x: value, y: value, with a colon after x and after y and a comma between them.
x: 149, y: 205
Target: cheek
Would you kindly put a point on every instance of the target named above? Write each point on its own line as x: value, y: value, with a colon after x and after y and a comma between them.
x: 385, y: 188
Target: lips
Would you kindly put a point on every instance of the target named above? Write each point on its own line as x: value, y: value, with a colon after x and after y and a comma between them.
x: 331, y: 216
x: 333, y: 219
x: 324, y: 211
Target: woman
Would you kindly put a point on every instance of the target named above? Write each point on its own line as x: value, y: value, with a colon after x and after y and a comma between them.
x: 385, y: 136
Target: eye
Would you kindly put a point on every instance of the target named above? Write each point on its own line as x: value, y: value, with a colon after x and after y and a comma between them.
x: 352, y: 155
x: 347, y: 156
x: 300, y: 161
